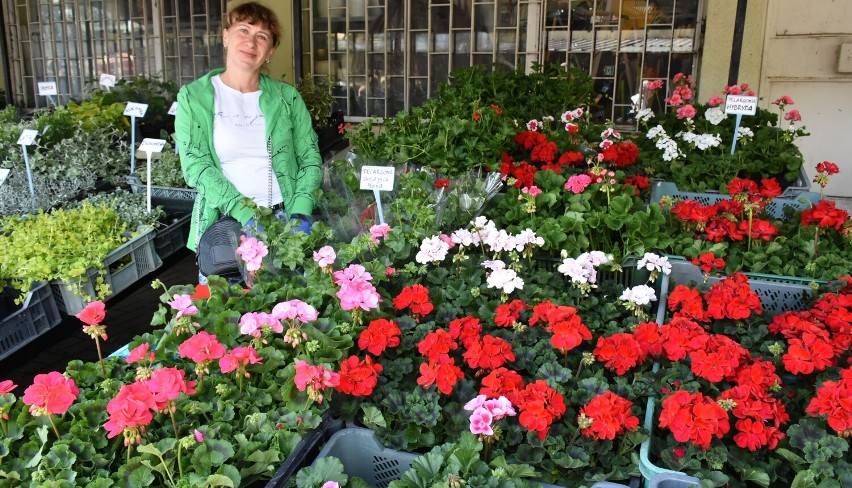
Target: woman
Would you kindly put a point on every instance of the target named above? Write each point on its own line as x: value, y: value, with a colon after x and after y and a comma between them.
x: 243, y: 134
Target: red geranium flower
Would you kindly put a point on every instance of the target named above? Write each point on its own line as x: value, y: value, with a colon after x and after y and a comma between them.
x: 571, y: 158
x: 619, y: 352
x: 718, y: 359
x: 760, y: 229
x: 502, y: 382
x: 443, y: 373
x: 686, y: 302
x: 834, y: 400
x: 540, y: 405
x: 489, y: 353
x: 808, y: 354
x: 442, y: 183
x: 378, y: 336
x: 647, y: 335
x: 437, y: 344
x: 693, y: 417
x: 465, y: 330
x: 567, y: 328
x: 825, y: 214
x: 357, y: 377
x: 610, y: 415
x: 709, y: 262
x: 509, y: 313
x: 680, y: 337
x: 827, y: 167
x: 416, y: 299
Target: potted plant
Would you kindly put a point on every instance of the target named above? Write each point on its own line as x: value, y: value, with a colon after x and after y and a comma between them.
x: 328, y: 123
x: 745, y: 394
x: 691, y: 143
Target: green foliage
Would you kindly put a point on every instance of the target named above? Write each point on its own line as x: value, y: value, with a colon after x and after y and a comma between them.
x: 131, y: 208
x: 61, y: 245
x: 157, y: 94
x: 316, y: 92
x: 470, y: 123
x: 165, y: 171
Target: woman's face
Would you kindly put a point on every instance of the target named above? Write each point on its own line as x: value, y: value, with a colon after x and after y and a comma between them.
x: 249, y: 46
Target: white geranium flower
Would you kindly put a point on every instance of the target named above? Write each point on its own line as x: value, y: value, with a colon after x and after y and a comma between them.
x: 715, y: 115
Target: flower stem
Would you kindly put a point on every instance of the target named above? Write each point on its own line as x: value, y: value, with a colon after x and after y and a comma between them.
x: 100, y: 356
x: 52, y: 423
x: 174, y: 424
x: 179, y: 461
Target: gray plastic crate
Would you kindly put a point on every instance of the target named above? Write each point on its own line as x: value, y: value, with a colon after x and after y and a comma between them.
x: 143, y: 259
x: 173, y: 237
x: 798, y: 200
x: 364, y: 456
x: 137, y: 186
x: 37, y: 315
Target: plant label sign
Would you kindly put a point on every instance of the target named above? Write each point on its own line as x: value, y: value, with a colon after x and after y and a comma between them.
x: 173, y: 108
x: 740, y: 104
x: 107, y: 80
x: 134, y: 109
x: 379, y: 178
x: 46, y: 88
x: 27, y: 137
x: 4, y: 173
x: 151, y: 146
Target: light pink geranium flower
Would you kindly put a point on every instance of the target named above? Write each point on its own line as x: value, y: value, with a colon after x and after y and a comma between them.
x: 294, y: 309
x: 379, y: 231
x: 252, y: 252
x: 325, y: 256
x: 183, y: 305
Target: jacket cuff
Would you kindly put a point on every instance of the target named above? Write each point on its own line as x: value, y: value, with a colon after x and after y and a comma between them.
x: 302, y: 205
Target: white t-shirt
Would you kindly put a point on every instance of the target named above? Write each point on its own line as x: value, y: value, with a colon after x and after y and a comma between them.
x: 239, y: 137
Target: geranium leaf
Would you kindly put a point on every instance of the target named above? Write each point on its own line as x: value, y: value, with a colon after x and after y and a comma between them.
x: 756, y: 475
x: 219, y: 480
x: 373, y: 417
x: 325, y: 469
x: 804, y: 479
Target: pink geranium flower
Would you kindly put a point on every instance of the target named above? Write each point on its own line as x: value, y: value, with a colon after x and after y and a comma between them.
x: 166, y: 384
x: 93, y: 313
x: 129, y: 412
x: 140, y: 353
x: 715, y: 101
x: 183, y: 305
x: 379, y: 231
x: 314, y: 379
x: 7, y: 386
x: 255, y: 323
x: 239, y: 358
x: 793, y: 116
x: 199, y: 437
x: 578, y: 183
x: 293, y: 310
x: 532, y: 191
x: 50, y: 393
x: 325, y: 256
x: 686, y: 112
x: 252, y: 252
x: 201, y: 347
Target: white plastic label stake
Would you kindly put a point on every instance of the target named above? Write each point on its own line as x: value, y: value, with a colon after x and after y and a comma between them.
x: 739, y: 105
x: 149, y: 147
x: 107, y: 81
x: 46, y: 88
x: 27, y: 137
x: 378, y: 179
x: 134, y: 110
x: 4, y: 173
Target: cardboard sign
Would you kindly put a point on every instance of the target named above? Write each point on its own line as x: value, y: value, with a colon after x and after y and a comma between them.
x: 27, y: 137
x: 107, y: 80
x: 46, y: 88
x: 152, y: 146
x: 134, y: 109
x: 740, y: 104
x: 379, y: 178
x: 173, y: 108
x: 4, y: 173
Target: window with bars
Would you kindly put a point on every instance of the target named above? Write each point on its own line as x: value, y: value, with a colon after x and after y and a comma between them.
x: 73, y: 42
x: 384, y: 56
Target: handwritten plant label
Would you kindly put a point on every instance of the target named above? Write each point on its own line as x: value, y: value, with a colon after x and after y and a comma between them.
x: 46, y: 88
x: 151, y: 146
x: 27, y: 137
x: 740, y: 104
x: 379, y: 178
x: 107, y: 80
x: 4, y: 173
x: 173, y: 108
x: 134, y: 109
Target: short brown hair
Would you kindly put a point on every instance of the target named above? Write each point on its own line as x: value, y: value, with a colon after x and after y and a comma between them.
x: 255, y: 13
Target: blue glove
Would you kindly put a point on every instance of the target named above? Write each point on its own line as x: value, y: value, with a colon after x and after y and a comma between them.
x: 303, y: 224
x: 251, y: 227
